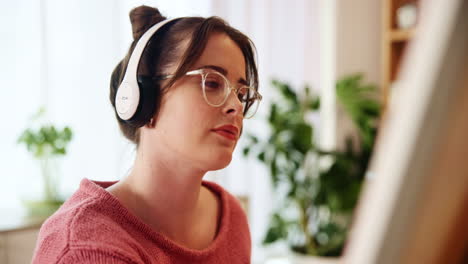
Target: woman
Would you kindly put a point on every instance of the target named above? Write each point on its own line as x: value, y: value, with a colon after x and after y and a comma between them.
x: 197, y: 80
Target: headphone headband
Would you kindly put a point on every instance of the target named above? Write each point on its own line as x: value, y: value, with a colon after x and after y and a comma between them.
x: 128, y: 94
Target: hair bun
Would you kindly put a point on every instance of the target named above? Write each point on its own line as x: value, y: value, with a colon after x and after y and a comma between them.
x: 142, y: 18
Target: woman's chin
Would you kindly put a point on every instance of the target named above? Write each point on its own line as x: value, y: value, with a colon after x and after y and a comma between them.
x: 220, y: 162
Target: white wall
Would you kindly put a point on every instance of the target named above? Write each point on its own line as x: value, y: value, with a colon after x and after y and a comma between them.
x: 358, y: 49
x: 358, y: 42
x: 66, y: 66
x: 19, y: 71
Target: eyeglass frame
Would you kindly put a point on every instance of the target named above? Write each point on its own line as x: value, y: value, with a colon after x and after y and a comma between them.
x: 204, y: 72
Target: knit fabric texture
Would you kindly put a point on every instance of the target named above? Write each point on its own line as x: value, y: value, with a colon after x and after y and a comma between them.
x: 92, y: 226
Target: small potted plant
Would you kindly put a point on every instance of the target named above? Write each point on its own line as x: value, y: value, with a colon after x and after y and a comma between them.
x: 316, y: 190
x: 46, y: 143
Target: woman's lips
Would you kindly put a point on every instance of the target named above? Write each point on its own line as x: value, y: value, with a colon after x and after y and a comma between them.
x: 228, y: 131
x: 226, y: 134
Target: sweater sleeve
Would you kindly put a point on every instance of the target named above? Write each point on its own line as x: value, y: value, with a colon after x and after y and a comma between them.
x: 92, y: 256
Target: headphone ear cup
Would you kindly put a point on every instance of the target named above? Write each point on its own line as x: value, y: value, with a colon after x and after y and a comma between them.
x: 137, y: 97
x: 149, y: 97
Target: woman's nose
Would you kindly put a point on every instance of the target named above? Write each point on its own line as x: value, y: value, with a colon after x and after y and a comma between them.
x: 233, y: 105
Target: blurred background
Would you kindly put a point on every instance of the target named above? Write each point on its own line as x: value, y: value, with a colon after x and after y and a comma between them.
x: 60, y: 54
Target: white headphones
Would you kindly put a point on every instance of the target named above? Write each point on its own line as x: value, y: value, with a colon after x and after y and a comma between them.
x: 128, y: 99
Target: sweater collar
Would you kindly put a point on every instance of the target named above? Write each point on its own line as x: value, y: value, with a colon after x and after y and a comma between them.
x: 97, y: 189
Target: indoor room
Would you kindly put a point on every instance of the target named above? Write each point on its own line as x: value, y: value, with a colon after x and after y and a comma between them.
x: 234, y: 131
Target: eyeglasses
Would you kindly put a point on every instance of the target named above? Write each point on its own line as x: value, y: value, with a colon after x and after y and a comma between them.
x: 216, y: 89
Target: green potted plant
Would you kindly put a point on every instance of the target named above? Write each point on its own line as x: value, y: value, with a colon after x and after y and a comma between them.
x: 46, y: 143
x: 316, y: 190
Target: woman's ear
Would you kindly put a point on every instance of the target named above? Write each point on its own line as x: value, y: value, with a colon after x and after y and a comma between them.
x: 151, y: 123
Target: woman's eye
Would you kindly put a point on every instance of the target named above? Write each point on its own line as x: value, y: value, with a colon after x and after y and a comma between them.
x: 212, y: 84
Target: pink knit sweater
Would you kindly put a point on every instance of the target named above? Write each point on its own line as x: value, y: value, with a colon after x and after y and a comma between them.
x: 94, y: 227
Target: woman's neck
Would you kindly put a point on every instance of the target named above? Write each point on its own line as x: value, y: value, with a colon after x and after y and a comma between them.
x: 165, y: 194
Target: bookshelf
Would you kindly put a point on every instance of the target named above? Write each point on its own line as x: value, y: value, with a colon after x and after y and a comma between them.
x: 395, y: 39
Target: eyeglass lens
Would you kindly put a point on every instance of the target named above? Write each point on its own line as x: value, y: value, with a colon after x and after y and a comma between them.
x: 216, y: 89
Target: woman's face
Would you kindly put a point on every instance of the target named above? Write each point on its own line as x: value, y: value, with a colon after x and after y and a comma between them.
x: 189, y: 129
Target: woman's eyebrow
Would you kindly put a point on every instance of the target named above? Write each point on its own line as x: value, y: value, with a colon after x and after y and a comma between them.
x: 223, y: 71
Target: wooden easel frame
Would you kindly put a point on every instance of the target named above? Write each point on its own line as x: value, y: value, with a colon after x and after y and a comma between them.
x: 415, y: 208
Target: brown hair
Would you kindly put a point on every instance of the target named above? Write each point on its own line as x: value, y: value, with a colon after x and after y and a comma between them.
x: 167, y: 51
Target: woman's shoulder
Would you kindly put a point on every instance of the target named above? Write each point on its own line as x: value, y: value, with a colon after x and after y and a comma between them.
x: 86, y: 220
x: 89, y: 207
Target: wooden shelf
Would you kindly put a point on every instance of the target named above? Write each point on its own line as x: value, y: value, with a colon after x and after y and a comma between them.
x: 398, y: 35
x: 394, y: 43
